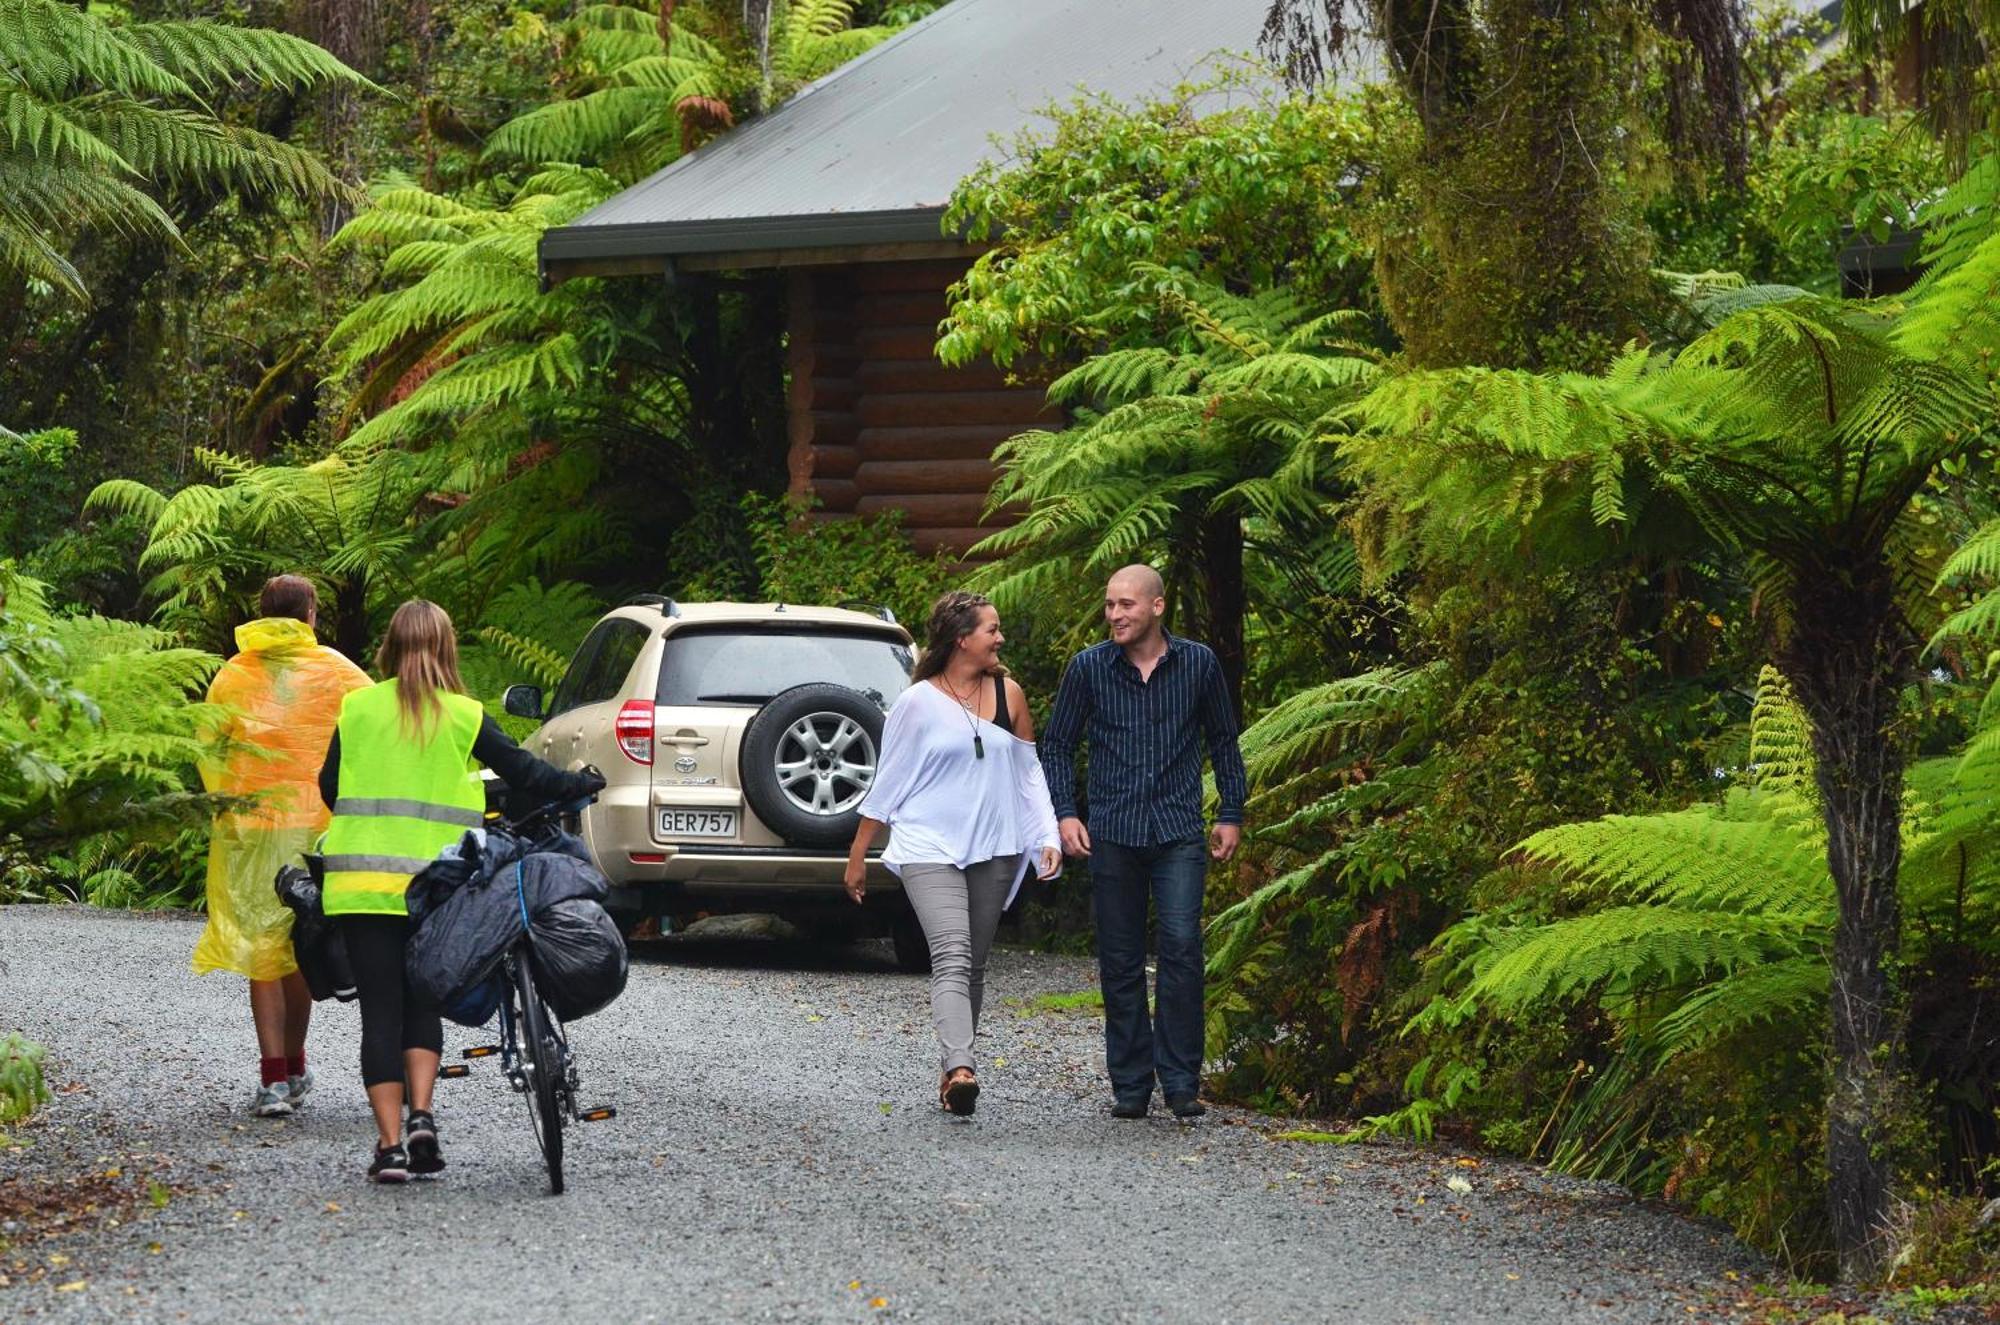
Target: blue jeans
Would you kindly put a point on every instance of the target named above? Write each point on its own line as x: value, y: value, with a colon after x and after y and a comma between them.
x: 1137, y: 1049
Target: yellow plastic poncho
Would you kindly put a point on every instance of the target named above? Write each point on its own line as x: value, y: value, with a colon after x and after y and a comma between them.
x: 281, y: 696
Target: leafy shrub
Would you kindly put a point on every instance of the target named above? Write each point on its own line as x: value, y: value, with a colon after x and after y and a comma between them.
x: 100, y: 728
x: 527, y: 634
x: 1686, y: 955
x: 21, y: 1088
x: 1383, y: 803
x: 801, y: 559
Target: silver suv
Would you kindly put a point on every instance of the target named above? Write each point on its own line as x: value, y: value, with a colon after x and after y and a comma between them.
x: 737, y: 740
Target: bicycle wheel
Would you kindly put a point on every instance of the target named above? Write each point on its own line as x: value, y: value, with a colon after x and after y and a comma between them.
x: 541, y: 1055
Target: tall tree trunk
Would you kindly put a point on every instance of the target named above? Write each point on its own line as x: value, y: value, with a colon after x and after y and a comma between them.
x: 350, y: 628
x: 1221, y: 538
x: 1511, y: 237
x: 1847, y: 657
x: 352, y: 31
x: 757, y: 27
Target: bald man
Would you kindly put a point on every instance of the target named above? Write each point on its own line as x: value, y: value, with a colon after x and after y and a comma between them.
x: 1148, y: 703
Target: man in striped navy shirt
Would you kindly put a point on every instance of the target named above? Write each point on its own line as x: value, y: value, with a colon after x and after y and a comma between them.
x: 1148, y: 703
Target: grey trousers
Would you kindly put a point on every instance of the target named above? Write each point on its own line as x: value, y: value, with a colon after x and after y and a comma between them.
x: 959, y: 910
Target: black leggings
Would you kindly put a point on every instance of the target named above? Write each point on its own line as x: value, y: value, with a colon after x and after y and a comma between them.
x: 394, y: 1017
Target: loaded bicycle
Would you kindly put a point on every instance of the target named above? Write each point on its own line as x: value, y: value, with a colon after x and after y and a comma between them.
x: 534, y: 1048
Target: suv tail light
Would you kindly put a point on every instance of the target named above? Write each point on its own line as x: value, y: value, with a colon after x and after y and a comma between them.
x: 635, y: 730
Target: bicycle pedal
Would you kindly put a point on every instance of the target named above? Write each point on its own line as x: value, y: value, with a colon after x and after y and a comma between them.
x: 598, y: 1115
x: 455, y: 1070
x: 482, y: 1051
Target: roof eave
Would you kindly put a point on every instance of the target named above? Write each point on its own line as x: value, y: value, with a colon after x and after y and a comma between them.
x: 578, y: 250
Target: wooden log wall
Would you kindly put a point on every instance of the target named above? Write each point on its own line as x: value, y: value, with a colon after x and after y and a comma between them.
x: 876, y: 422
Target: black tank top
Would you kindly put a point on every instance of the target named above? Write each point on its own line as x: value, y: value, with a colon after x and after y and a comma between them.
x: 1000, y: 715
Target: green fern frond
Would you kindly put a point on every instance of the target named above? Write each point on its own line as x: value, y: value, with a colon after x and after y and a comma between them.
x: 94, y: 111
x: 1788, y: 991
x: 1781, y: 754
x: 542, y: 664
x: 1696, y: 858
x: 1627, y: 946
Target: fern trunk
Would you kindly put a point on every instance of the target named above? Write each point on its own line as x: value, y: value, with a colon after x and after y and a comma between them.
x: 1223, y: 597
x: 351, y: 634
x: 1848, y: 655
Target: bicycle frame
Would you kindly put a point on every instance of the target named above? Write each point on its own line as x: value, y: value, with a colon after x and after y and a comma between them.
x: 512, y: 1064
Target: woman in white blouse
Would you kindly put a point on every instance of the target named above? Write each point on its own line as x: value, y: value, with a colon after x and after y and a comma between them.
x: 960, y: 787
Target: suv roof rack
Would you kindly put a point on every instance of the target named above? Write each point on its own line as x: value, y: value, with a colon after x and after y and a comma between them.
x: 872, y: 609
x: 667, y: 606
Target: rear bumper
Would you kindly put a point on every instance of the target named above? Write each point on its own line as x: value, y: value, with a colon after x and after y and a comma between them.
x: 749, y: 868
x: 619, y: 831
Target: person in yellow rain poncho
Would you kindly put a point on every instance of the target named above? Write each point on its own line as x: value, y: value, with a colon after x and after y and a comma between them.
x: 280, y: 698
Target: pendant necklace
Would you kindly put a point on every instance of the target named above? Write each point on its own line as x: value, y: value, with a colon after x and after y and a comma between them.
x: 971, y: 718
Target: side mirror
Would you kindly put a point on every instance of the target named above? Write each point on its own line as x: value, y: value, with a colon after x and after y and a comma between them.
x: 523, y: 701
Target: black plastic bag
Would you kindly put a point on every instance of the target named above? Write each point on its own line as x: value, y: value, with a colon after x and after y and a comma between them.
x: 317, y: 943
x: 457, y: 938
x: 578, y: 957
x: 466, y: 910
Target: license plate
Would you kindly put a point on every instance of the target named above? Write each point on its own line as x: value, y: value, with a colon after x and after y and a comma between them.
x: 697, y: 823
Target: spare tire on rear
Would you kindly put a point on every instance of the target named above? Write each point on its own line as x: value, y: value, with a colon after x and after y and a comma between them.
x: 808, y: 760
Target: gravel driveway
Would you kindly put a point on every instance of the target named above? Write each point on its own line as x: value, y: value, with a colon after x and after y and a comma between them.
x: 777, y: 1156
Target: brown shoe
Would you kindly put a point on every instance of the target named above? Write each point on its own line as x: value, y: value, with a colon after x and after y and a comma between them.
x: 959, y: 1093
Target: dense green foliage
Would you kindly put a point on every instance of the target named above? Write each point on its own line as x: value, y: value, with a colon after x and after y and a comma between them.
x: 1611, y: 642
x: 1097, y: 218
x: 97, y: 112
x: 98, y: 739
x: 1558, y: 588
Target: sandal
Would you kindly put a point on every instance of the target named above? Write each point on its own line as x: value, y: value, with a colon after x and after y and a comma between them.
x: 958, y: 1094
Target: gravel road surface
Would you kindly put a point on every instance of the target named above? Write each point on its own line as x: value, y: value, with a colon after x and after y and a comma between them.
x: 778, y: 1155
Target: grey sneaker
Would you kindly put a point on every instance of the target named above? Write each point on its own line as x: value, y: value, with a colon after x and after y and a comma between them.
x: 273, y: 1101
x: 298, y: 1087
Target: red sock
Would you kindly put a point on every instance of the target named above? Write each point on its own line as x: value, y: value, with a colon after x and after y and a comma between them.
x: 296, y: 1067
x: 273, y: 1069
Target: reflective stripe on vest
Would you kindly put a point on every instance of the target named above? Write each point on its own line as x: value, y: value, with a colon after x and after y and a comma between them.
x: 401, y: 800
x: 353, y: 864
x: 404, y: 808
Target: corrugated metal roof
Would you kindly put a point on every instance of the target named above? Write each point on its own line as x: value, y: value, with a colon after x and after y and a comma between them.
x: 871, y: 153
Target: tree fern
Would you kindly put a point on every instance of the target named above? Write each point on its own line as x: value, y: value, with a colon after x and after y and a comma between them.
x: 94, y: 112
x: 637, y: 95
x: 1692, y: 930
x: 1178, y: 446
x: 344, y: 520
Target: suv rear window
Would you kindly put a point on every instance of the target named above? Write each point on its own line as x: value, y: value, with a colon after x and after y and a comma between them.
x: 736, y: 666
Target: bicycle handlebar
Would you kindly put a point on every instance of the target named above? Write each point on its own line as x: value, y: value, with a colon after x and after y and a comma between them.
x: 548, y: 812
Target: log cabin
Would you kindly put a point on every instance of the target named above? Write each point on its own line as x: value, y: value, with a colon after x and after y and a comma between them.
x: 841, y: 193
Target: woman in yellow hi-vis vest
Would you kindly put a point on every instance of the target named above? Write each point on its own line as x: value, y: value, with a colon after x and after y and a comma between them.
x: 278, y: 698
x: 402, y: 776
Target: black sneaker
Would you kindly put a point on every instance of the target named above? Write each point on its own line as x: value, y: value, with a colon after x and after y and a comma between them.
x: 1186, y: 1106
x: 421, y: 1134
x: 1138, y: 1108
x: 392, y: 1164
